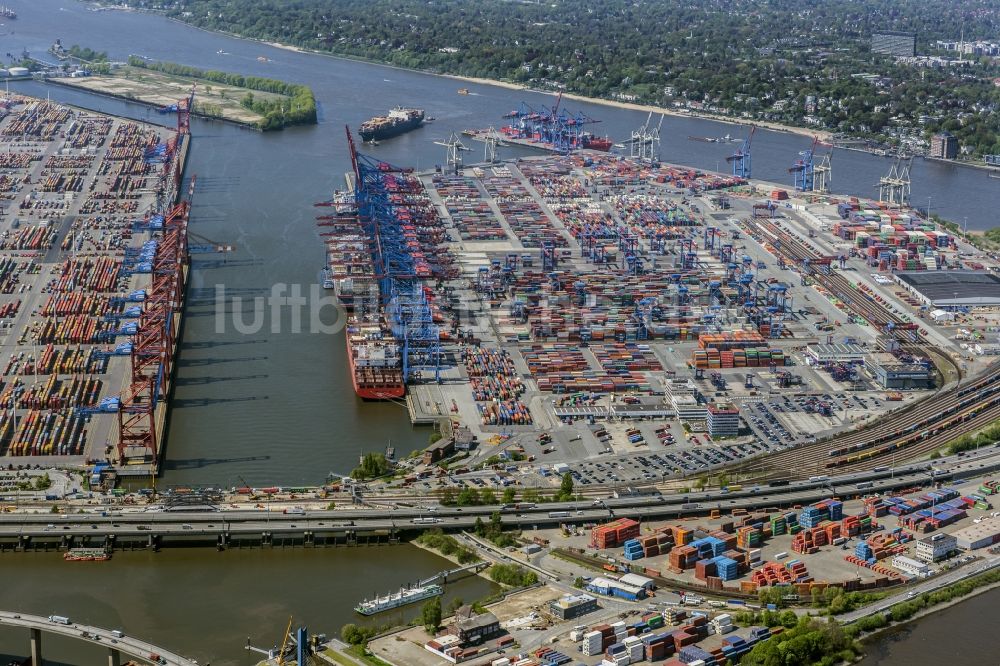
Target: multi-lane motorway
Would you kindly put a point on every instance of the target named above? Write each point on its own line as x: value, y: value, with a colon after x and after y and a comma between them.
x: 165, y: 525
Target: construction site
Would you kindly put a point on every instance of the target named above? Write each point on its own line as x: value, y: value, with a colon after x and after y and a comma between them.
x: 94, y: 253
x: 630, y: 321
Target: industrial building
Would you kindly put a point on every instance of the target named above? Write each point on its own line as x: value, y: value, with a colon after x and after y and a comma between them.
x: 936, y: 547
x: 471, y: 629
x: 944, y: 146
x: 979, y: 535
x: 846, y: 353
x: 689, y: 409
x: 952, y: 289
x: 910, y: 566
x: 571, y: 606
x: 893, y: 374
x: 888, y: 42
x: 638, y: 581
x: 723, y: 420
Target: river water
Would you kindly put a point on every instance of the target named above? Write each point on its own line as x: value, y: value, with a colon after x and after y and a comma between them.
x: 276, y: 406
x: 960, y: 634
x: 204, y: 604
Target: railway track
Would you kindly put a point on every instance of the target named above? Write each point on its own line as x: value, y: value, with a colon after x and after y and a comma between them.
x: 921, y: 428
x: 778, y: 240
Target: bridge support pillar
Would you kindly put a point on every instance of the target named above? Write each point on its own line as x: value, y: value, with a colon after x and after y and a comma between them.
x: 114, y: 657
x: 36, y: 647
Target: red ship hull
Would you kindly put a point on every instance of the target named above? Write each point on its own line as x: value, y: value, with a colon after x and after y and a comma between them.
x: 370, y: 384
x: 601, y: 143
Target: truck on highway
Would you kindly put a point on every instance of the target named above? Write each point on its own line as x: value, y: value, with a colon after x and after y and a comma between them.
x: 59, y: 619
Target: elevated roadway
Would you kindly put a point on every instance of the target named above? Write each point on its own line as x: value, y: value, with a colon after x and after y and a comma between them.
x: 157, y: 527
x: 116, y: 645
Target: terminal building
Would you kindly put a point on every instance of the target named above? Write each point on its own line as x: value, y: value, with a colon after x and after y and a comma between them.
x: 571, y: 606
x: 682, y: 395
x: 952, y: 289
x: 723, y: 420
x: 893, y: 374
x: 823, y: 354
x: 936, y: 547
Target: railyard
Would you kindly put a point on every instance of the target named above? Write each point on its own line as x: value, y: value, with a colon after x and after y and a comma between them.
x: 93, y: 269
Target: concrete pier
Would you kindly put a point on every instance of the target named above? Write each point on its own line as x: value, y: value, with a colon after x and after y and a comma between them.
x: 36, y: 646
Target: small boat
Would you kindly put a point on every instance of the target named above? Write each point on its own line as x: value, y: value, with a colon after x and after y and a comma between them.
x: 463, y: 91
x: 86, y: 555
x: 429, y: 119
x: 262, y: 59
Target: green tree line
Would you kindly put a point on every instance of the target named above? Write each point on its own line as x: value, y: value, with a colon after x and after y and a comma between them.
x: 297, y: 105
x: 744, y: 58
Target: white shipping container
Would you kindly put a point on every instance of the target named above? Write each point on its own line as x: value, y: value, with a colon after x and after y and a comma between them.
x: 503, y: 661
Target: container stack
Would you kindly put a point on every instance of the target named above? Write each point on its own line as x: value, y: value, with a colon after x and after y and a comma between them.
x: 658, y: 646
x: 810, y: 540
x: 633, y: 550
x: 592, y: 642
x: 682, y: 558
x: 748, y: 537
x: 772, y: 573
x: 989, y: 487
x: 614, y: 534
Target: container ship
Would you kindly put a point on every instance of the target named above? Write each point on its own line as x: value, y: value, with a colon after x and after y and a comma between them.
x: 374, y: 358
x: 86, y: 555
x: 398, y: 121
x: 409, y: 595
x: 349, y: 271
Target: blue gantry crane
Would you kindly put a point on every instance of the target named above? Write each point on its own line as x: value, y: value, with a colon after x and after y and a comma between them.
x: 386, y: 216
x: 741, y: 158
x: 804, y: 169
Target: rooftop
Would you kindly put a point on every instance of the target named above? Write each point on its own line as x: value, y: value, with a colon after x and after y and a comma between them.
x: 974, y: 532
x: 944, y: 288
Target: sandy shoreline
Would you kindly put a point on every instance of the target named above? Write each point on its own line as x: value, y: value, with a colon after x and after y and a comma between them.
x: 775, y: 127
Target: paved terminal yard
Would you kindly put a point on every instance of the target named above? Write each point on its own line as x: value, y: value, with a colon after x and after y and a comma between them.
x: 75, y: 188
x: 604, y: 307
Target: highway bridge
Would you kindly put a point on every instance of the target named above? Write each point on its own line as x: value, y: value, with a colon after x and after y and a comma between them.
x: 116, y: 642
x: 160, y: 527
